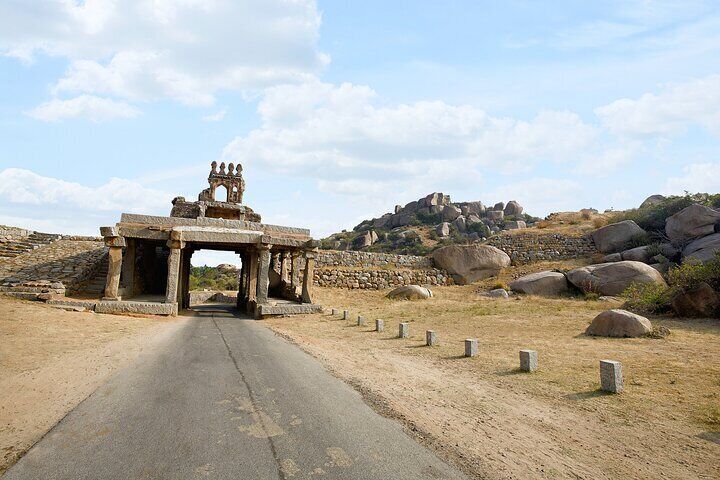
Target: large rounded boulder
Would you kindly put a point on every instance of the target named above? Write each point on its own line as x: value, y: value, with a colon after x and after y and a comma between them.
x: 613, y: 278
x: 410, y: 292
x: 619, y: 323
x: 616, y: 236
x: 703, y: 249
x: 546, y: 284
x: 691, y: 222
x: 470, y: 263
x: 701, y: 301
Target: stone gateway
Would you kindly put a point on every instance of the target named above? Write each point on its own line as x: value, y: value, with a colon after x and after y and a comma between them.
x: 149, y: 256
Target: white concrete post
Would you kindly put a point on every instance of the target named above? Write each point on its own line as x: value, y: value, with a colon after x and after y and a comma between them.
x: 360, y: 321
x: 528, y: 360
x: 346, y: 315
x: 404, y: 330
x: 611, y: 379
x: 430, y: 338
x: 471, y: 347
x: 379, y: 325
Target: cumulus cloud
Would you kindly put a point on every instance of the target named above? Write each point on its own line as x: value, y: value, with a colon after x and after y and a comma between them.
x: 89, y: 107
x: 187, y: 51
x: 20, y: 186
x: 338, y: 135
x: 669, y: 112
x: 697, y: 177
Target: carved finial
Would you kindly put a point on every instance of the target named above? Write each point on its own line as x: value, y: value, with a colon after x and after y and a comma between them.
x: 231, y: 169
x: 239, y: 169
x: 214, y: 167
x: 222, y: 168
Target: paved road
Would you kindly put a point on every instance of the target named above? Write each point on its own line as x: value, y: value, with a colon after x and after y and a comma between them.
x: 226, y: 398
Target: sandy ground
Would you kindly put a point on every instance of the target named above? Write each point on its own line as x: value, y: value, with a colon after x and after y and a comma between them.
x: 51, y: 360
x: 496, y: 422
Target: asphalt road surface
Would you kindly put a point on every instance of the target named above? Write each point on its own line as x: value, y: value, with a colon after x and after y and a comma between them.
x: 227, y: 398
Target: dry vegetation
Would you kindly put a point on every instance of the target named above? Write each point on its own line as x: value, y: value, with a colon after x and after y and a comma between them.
x: 496, y: 422
x: 50, y: 360
x: 572, y: 223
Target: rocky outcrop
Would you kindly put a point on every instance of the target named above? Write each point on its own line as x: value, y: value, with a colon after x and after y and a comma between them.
x: 702, y: 301
x: 692, y: 222
x: 619, y: 323
x: 469, y: 263
x: 613, y: 278
x: 450, y: 213
x: 545, y: 283
x: 410, y: 292
x: 703, y: 249
x: 443, y: 230
x: 616, y: 236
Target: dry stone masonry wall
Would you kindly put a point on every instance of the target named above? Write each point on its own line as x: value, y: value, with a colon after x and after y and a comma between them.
x: 332, y: 258
x: 375, y: 271
x: 524, y: 248
x: 68, y: 261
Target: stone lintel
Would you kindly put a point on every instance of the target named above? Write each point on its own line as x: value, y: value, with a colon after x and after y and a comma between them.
x: 131, y: 218
x: 144, y: 233
x: 109, y: 232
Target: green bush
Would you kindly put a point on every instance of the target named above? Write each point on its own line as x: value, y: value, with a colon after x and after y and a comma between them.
x: 653, y: 218
x: 648, y: 297
x: 480, y: 228
x: 212, y: 279
x: 428, y: 218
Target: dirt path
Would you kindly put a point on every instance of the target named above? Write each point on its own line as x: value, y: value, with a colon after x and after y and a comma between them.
x: 50, y: 360
x: 498, y: 423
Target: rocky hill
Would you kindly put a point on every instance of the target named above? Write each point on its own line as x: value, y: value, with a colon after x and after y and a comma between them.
x: 429, y: 223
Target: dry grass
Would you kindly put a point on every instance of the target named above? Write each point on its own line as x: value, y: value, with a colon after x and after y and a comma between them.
x: 50, y: 360
x: 670, y: 405
x: 572, y: 223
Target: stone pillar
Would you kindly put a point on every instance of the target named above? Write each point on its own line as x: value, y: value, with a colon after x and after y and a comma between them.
x: 379, y: 325
x: 611, y: 379
x: 252, y: 278
x: 173, y: 278
x: 115, y: 244
x: 471, y: 347
x: 308, y: 277
x: 263, y: 273
x: 128, y: 267
x: 404, y: 330
x: 430, y: 338
x: 284, y: 267
x: 528, y: 360
x: 295, y: 274
x: 112, y: 283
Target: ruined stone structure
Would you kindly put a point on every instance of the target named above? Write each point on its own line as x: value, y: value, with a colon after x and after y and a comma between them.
x: 149, y: 256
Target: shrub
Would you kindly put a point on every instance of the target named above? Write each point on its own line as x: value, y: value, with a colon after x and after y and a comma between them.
x: 428, y: 218
x: 648, y: 297
x: 599, y: 222
x: 592, y: 296
x: 691, y: 274
x: 652, y: 218
x: 480, y: 228
x: 500, y: 284
x: 638, y: 241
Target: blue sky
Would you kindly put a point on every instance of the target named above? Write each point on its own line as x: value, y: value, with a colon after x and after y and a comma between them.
x: 340, y: 110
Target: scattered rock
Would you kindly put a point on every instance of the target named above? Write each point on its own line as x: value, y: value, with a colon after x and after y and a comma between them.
x: 469, y: 263
x: 637, y: 254
x: 226, y: 268
x: 499, y: 206
x: 450, y: 213
x: 615, y: 237
x: 515, y: 224
x: 498, y: 293
x: 613, y: 257
x: 443, y: 230
x: 460, y: 224
x: 410, y: 292
x: 619, y: 323
x: 546, y: 283
x: 495, y: 215
x: 613, y: 278
x: 702, y: 301
x: 691, y: 222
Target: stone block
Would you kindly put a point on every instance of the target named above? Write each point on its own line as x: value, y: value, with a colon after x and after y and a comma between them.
x: 404, y: 330
x: 528, y: 360
x: 611, y: 379
x: 379, y: 325
x: 430, y: 338
x: 471, y: 347
x: 334, y: 312
x: 346, y: 315
x: 360, y: 321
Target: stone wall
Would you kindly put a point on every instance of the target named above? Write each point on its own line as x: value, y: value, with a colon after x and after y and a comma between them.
x: 528, y: 247
x: 374, y: 279
x: 68, y: 261
x: 335, y: 258
x: 10, y: 234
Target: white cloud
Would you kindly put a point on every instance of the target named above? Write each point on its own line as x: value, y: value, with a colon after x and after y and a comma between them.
x: 215, y: 117
x: 188, y: 50
x: 88, y: 107
x: 698, y: 177
x: 20, y: 186
x: 669, y: 112
x: 339, y: 136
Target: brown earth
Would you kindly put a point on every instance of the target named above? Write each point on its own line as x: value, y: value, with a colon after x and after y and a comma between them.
x: 51, y: 360
x: 495, y: 422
